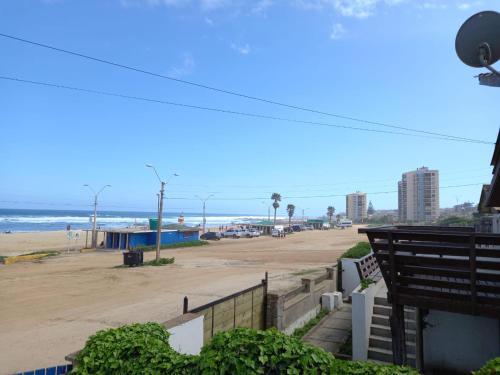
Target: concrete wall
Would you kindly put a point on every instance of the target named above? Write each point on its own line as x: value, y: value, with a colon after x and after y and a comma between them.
x: 350, y: 276
x: 290, y: 310
x: 186, y: 333
x: 362, y: 311
x: 459, y: 342
x: 119, y: 240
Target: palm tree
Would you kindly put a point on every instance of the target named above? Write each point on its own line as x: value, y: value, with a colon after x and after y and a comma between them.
x: 291, y: 209
x: 276, y: 197
x: 329, y: 212
x: 338, y: 217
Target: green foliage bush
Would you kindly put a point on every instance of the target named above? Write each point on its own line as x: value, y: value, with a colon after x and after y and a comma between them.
x: 244, y: 351
x: 490, y: 368
x: 144, y: 349
x: 299, y: 332
x: 132, y: 349
x: 160, y: 262
x: 358, y: 251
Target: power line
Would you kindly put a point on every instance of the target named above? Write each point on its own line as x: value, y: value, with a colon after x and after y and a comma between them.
x: 234, y: 93
x: 227, y: 111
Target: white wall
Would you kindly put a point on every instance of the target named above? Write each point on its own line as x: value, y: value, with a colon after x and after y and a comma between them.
x: 187, y: 336
x: 459, y: 342
x: 362, y: 311
x: 350, y: 276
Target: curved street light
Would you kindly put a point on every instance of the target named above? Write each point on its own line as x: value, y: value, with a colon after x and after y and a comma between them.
x: 204, y: 200
x: 160, y: 207
x: 96, y: 194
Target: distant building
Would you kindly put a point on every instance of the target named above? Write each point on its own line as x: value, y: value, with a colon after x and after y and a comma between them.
x: 355, y: 204
x: 418, y: 196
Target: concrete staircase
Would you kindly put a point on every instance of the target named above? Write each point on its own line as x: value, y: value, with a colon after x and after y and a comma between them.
x: 380, y: 344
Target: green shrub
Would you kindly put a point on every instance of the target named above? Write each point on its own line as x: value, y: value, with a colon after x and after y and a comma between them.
x: 365, y: 283
x: 144, y: 349
x: 357, y: 251
x: 173, y: 245
x: 132, y: 349
x: 244, y: 351
x: 490, y: 368
x: 299, y: 332
x: 341, y: 367
x: 160, y: 262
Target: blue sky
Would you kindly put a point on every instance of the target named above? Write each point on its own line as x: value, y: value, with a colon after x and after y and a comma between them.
x: 389, y: 61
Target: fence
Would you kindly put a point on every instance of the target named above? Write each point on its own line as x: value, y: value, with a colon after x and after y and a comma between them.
x: 56, y: 370
x: 246, y: 308
x: 293, y: 309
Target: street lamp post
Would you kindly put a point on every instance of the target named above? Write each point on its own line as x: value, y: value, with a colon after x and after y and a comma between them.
x: 94, y: 232
x: 204, y: 200
x: 303, y: 216
x: 160, y: 209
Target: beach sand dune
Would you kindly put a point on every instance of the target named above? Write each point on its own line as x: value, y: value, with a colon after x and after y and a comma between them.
x: 50, y: 307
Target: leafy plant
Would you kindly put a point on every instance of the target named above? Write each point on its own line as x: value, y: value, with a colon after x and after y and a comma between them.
x: 276, y: 197
x: 346, y: 347
x: 159, y: 262
x: 144, y: 349
x: 357, y: 251
x: 244, y: 351
x: 365, y: 283
x: 300, y: 332
x: 490, y: 368
x: 132, y: 349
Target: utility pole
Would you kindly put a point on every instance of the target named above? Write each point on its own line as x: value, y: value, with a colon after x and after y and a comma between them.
x: 94, y: 224
x: 160, y: 209
x: 204, y: 200
x: 268, y: 210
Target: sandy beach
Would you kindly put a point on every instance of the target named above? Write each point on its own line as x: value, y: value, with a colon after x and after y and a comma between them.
x: 50, y: 307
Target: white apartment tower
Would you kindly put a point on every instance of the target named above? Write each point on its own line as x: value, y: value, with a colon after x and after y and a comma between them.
x: 418, y: 196
x: 356, y: 206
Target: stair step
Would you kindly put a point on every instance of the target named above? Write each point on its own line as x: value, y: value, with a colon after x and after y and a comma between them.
x: 381, y: 301
x: 385, y: 331
x: 383, y: 320
x: 385, y: 356
x: 386, y: 343
x: 386, y: 310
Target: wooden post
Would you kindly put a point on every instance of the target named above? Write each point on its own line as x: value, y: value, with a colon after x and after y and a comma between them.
x: 265, y: 284
x: 185, y: 306
x: 473, y: 274
x: 397, y: 321
x: 86, y: 238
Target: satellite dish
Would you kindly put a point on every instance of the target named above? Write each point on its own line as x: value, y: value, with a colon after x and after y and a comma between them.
x: 478, y: 40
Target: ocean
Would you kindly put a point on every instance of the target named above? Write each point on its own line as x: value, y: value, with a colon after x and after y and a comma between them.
x: 32, y: 220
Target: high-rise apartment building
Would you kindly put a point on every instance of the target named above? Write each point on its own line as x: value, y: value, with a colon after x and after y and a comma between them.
x: 418, y: 196
x: 355, y: 204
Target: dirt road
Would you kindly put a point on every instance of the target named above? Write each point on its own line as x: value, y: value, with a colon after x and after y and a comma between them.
x: 49, y: 308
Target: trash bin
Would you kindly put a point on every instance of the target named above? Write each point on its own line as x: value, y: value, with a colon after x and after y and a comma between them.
x: 133, y: 258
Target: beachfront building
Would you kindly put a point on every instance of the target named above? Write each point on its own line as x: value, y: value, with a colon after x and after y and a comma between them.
x: 438, y: 304
x: 130, y: 238
x: 418, y: 196
x: 356, y: 207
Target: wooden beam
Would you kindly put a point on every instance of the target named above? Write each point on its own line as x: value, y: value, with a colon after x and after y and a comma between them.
x: 397, y: 321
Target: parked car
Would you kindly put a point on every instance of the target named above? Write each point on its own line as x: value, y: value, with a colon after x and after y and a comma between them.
x: 276, y: 233
x: 232, y: 233
x: 211, y: 236
x: 309, y: 227
x: 344, y: 223
x: 255, y: 233
x: 325, y: 226
x: 296, y: 228
x: 245, y: 233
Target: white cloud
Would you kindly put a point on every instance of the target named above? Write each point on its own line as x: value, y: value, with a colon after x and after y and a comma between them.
x: 337, y: 31
x: 469, y: 4
x: 244, y: 50
x: 184, y: 68
x: 209, y: 21
x: 262, y: 6
x: 347, y: 8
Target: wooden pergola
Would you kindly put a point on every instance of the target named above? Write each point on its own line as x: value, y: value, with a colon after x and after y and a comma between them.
x: 452, y: 269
